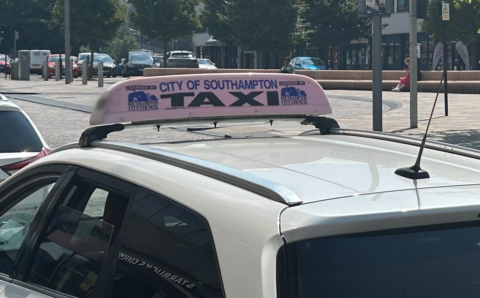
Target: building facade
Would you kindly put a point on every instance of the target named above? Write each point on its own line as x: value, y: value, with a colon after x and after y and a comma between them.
x: 356, y: 56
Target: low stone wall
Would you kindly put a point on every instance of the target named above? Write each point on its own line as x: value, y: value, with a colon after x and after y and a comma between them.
x: 359, y: 75
x: 459, y: 81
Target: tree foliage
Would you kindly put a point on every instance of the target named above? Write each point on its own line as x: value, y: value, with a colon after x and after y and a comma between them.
x: 215, y: 18
x: 475, y: 6
x: 463, y: 25
x: 165, y: 19
x: 122, y: 43
x: 92, y: 23
x: 263, y: 25
x: 335, y: 23
x: 31, y: 19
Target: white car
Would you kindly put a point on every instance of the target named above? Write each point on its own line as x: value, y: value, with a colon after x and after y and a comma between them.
x: 37, y: 57
x: 321, y: 214
x: 206, y: 64
x: 20, y: 141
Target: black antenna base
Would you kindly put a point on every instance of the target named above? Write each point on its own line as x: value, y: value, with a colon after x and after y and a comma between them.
x: 412, y: 172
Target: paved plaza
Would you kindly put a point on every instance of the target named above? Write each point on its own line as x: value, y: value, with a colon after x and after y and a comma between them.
x: 61, y: 112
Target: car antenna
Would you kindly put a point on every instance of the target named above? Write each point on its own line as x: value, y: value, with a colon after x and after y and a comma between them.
x: 415, y: 171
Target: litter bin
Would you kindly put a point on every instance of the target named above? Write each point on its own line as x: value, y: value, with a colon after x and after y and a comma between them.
x: 24, y: 65
x: 14, y: 69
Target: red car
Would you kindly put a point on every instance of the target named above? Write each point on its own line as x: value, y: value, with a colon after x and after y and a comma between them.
x: 4, y: 68
x: 51, y: 65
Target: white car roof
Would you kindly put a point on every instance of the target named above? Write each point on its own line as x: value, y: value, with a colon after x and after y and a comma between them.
x: 6, y: 105
x: 322, y: 167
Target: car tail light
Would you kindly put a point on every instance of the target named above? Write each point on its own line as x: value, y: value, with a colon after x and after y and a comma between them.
x: 14, y: 167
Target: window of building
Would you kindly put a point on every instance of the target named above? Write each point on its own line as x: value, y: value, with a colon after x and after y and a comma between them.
x: 402, y: 5
x: 167, y: 251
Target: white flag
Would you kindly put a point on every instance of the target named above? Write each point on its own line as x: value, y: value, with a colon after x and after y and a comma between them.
x: 437, y: 54
x: 463, y: 52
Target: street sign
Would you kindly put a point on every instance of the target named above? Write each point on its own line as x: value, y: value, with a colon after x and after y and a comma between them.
x: 445, y: 11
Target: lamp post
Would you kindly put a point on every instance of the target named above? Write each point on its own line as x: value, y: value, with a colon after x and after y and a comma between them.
x: 413, y: 65
x: 67, y: 42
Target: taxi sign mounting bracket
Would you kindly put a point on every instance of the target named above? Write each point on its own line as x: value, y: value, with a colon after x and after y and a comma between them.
x: 98, y: 133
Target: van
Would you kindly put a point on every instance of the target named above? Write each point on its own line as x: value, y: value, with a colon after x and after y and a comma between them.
x: 36, y: 60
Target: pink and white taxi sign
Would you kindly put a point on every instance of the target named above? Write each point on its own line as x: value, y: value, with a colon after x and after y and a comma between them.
x: 206, y: 96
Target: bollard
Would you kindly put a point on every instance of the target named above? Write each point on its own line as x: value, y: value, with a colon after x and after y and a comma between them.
x: 45, y: 70
x: 100, y: 74
x: 84, y: 73
x: 71, y: 71
x: 57, y: 70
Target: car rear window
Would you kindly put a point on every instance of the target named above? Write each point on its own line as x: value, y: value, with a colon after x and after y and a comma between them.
x: 17, y: 134
x: 182, y: 56
x: 431, y: 262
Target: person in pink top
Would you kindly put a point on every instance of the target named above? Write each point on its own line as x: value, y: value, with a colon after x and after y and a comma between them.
x: 404, y: 81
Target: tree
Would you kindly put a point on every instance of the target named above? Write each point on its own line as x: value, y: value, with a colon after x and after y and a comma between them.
x: 263, y: 25
x: 463, y: 25
x: 123, y: 43
x: 475, y: 3
x: 166, y: 20
x: 31, y: 19
x: 335, y: 23
x: 94, y: 23
x: 216, y: 20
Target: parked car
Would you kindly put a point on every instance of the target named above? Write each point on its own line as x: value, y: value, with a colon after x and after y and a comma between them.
x: 109, y: 66
x: 206, y: 64
x: 82, y: 57
x: 120, y: 66
x: 308, y: 63
x: 37, y: 57
x: 20, y: 141
x: 158, y: 61
x: 51, y: 65
x: 5, y: 65
x: 136, y: 63
x: 182, y: 59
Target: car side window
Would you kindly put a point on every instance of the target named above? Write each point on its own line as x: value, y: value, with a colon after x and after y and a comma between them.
x: 78, y: 239
x: 166, y: 251
x: 17, y: 221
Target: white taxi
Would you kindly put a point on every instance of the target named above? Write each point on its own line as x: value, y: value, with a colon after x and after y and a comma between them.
x: 321, y: 214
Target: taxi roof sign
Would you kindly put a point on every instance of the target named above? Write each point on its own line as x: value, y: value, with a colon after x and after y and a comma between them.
x: 187, y: 98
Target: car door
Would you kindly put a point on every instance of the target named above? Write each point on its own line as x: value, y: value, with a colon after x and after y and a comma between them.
x: 73, y: 247
x: 23, y: 201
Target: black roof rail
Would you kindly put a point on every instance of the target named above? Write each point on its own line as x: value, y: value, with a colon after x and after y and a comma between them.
x: 97, y: 133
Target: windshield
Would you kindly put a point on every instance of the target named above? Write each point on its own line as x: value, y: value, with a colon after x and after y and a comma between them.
x: 104, y: 58
x: 428, y: 262
x: 140, y: 57
x: 182, y: 55
x: 313, y: 61
x: 204, y: 61
x: 83, y: 57
x: 17, y: 134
